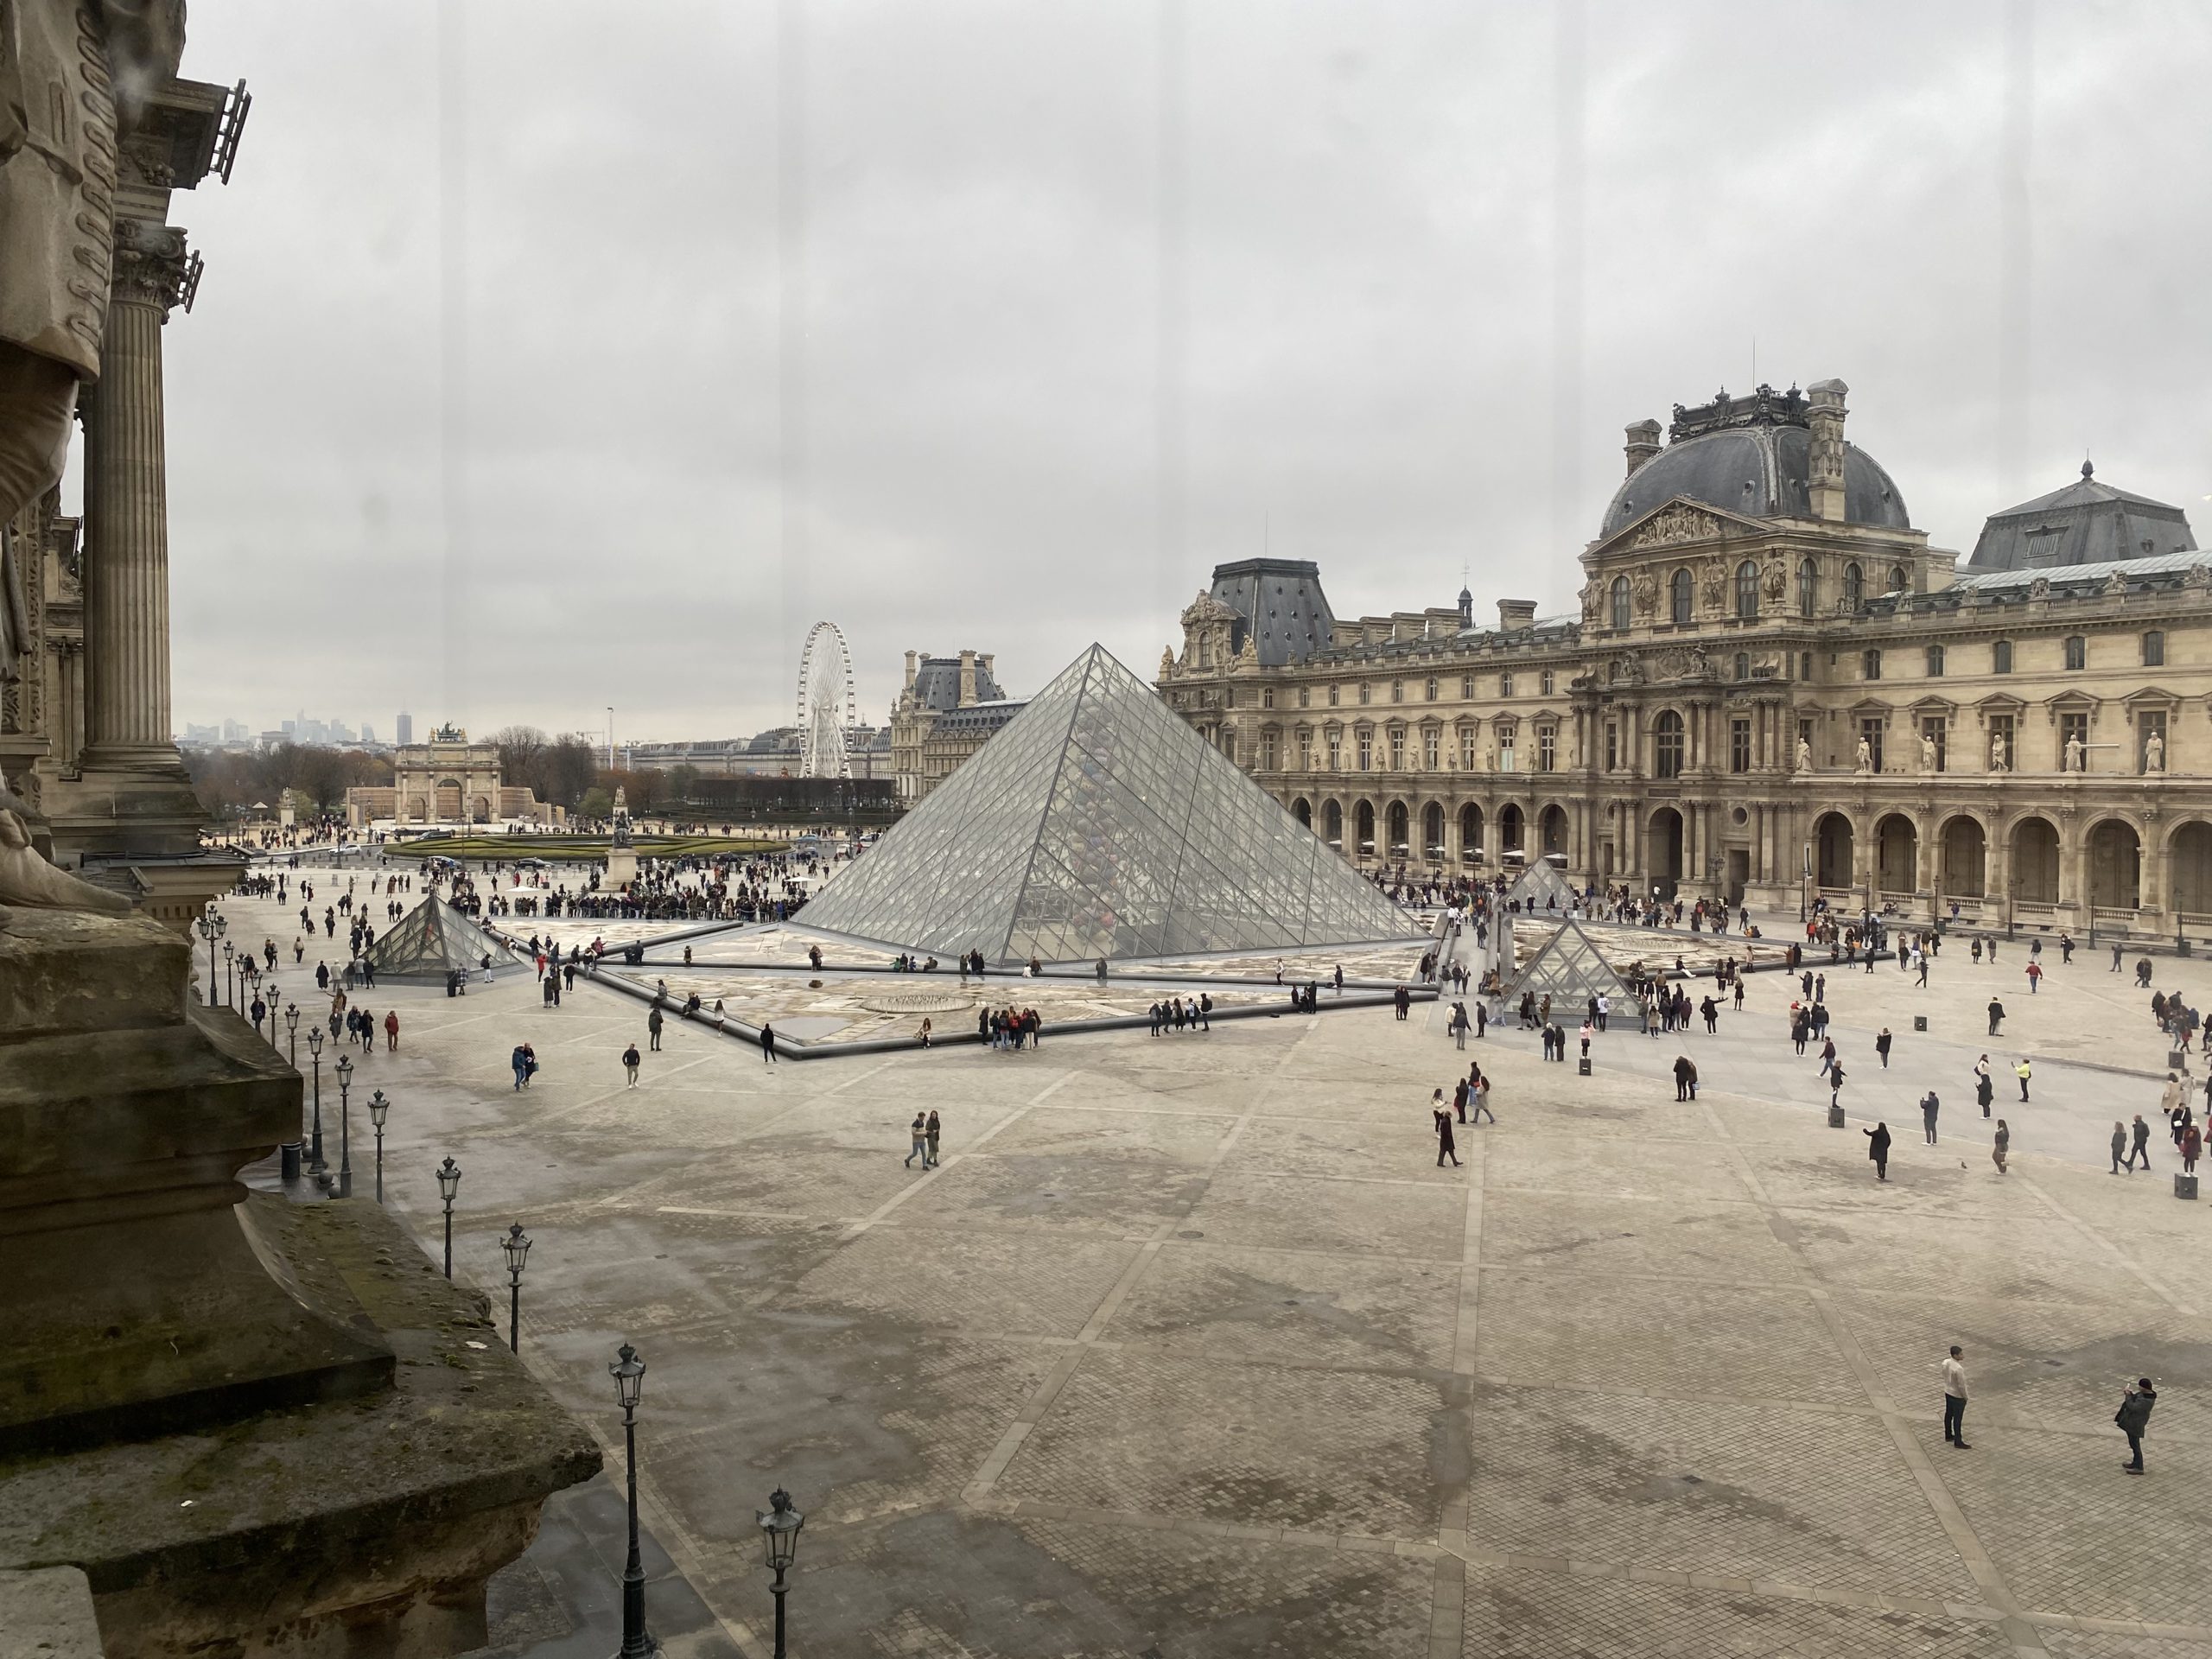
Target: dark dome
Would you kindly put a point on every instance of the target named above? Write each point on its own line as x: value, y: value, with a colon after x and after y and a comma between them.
x: 1756, y: 472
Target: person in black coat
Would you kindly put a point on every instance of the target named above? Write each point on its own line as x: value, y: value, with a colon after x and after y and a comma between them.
x: 2133, y: 1417
x: 1446, y: 1147
x: 1877, y: 1148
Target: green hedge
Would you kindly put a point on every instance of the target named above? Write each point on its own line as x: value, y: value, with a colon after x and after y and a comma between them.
x: 575, y: 848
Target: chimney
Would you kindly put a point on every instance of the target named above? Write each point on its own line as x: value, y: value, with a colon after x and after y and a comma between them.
x: 1514, y: 614
x: 967, y: 678
x: 910, y: 656
x: 984, y: 661
x: 1643, y: 444
x: 1824, y: 466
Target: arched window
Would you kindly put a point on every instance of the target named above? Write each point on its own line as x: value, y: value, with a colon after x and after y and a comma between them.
x: 1667, y: 745
x: 1620, y: 602
x: 1808, y: 588
x: 1679, y: 598
x: 1854, y: 586
x: 1747, y: 590
x: 1899, y: 581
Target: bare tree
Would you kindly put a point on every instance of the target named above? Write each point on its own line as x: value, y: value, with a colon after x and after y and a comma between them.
x: 520, y: 748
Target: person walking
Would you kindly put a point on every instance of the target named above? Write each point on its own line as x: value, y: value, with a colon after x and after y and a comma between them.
x: 768, y: 1044
x: 2140, y: 1146
x: 2035, y: 977
x: 391, y: 1030
x: 1478, y: 1100
x: 1882, y: 1047
x: 2192, y: 1147
x: 1996, y: 1015
x: 2133, y: 1417
x: 931, y: 1130
x: 1446, y: 1147
x: 1929, y: 1107
x: 918, y: 1134
x: 2120, y: 1147
x: 630, y: 1063
x: 1984, y: 1091
x: 1877, y: 1148
x: 1685, y: 1078
x: 1954, y: 1400
x: 2024, y: 1072
x: 519, y: 1065
x: 1835, y: 1085
x: 652, y: 1029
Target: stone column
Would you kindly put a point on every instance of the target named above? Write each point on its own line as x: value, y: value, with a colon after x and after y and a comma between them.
x: 126, y: 515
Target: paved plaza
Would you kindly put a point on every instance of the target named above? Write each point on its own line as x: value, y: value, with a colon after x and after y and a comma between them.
x: 1189, y: 1347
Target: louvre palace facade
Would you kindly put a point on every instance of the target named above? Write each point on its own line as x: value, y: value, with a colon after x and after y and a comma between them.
x: 1774, y: 688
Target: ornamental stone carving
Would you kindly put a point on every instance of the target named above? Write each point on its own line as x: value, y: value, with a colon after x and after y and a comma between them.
x: 1715, y: 584
x: 1647, y: 595
x: 1777, y: 581
x: 1676, y: 523
x: 1593, y: 599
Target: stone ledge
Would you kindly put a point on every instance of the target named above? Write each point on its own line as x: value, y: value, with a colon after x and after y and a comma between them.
x: 300, y: 1531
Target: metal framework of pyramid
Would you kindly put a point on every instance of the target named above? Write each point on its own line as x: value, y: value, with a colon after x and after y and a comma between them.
x: 1099, y: 823
x: 1537, y: 885
x: 433, y: 939
x: 1570, y: 966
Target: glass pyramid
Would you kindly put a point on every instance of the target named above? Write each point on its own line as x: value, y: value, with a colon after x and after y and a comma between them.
x: 434, y: 938
x: 1537, y: 885
x: 1099, y: 823
x: 1571, y: 966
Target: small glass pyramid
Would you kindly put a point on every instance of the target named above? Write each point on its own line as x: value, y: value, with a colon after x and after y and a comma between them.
x: 1539, y: 885
x: 433, y: 939
x: 1569, y: 966
x: 1099, y: 823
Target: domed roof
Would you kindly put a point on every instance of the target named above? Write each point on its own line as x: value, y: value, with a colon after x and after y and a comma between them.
x: 1752, y: 456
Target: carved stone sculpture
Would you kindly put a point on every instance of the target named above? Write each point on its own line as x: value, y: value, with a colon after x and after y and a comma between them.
x: 1927, y: 753
x: 1866, y: 755
x: 1593, y: 599
x: 1804, y: 755
x: 1997, y: 752
x: 2154, y: 753
x: 27, y: 879
x: 2076, y: 754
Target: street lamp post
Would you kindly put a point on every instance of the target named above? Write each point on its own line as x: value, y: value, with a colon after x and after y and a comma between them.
x: 345, y: 1138
x: 515, y: 1245
x: 230, y: 984
x: 275, y: 1002
x: 629, y: 1373
x: 449, y: 1184
x: 314, y: 1146
x: 212, y: 925
x: 379, y: 1108
x: 779, y: 1525
x: 291, y: 1033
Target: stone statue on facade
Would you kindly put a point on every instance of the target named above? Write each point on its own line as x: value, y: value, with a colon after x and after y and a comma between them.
x: 2154, y: 753
x: 1997, y: 752
x: 28, y: 880
x: 1927, y: 753
x: 73, y: 75
x: 1866, y: 755
x: 623, y: 836
x: 1804, y: 755
x: 2077, y: 753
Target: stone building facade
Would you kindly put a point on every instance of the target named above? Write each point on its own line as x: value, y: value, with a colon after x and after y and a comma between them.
x: 948, y: 708
x: 1773, y: 687
x: 446, y: 780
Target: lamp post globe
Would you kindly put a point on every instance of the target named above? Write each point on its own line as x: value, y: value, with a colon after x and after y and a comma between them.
x: 779, y: 1528
x: 379, y: 1110
x: 344, y: 1136
x: 516, y: 1247
x: 449, y: 1185
x: 629, y: 1373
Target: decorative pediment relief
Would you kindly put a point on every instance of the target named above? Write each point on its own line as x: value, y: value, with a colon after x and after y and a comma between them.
x: 1679, y: 521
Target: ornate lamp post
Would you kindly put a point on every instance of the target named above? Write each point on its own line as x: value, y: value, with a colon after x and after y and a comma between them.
x: 516, y: 1246
x: 211, y: 927
x: 275, y: 1002
x: 291, y: 1033
x: 779, y: 1525
x: 379, y: 1108
x: 449, y: 1184
x: 230, y: 986
x: 314, y: 1145
x: 345, y: 1138
x: 629, y: 1373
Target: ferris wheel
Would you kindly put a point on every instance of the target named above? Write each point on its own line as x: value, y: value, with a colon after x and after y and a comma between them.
x: 827, y: 708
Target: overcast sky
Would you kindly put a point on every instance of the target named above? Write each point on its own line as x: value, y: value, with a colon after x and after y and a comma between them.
x: 552, y: 355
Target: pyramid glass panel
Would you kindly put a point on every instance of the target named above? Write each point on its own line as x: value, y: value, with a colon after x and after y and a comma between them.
x: 1099, y: 823
x: 1538, y: 885
x: 434, y: 939
x: 1570, y: 967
